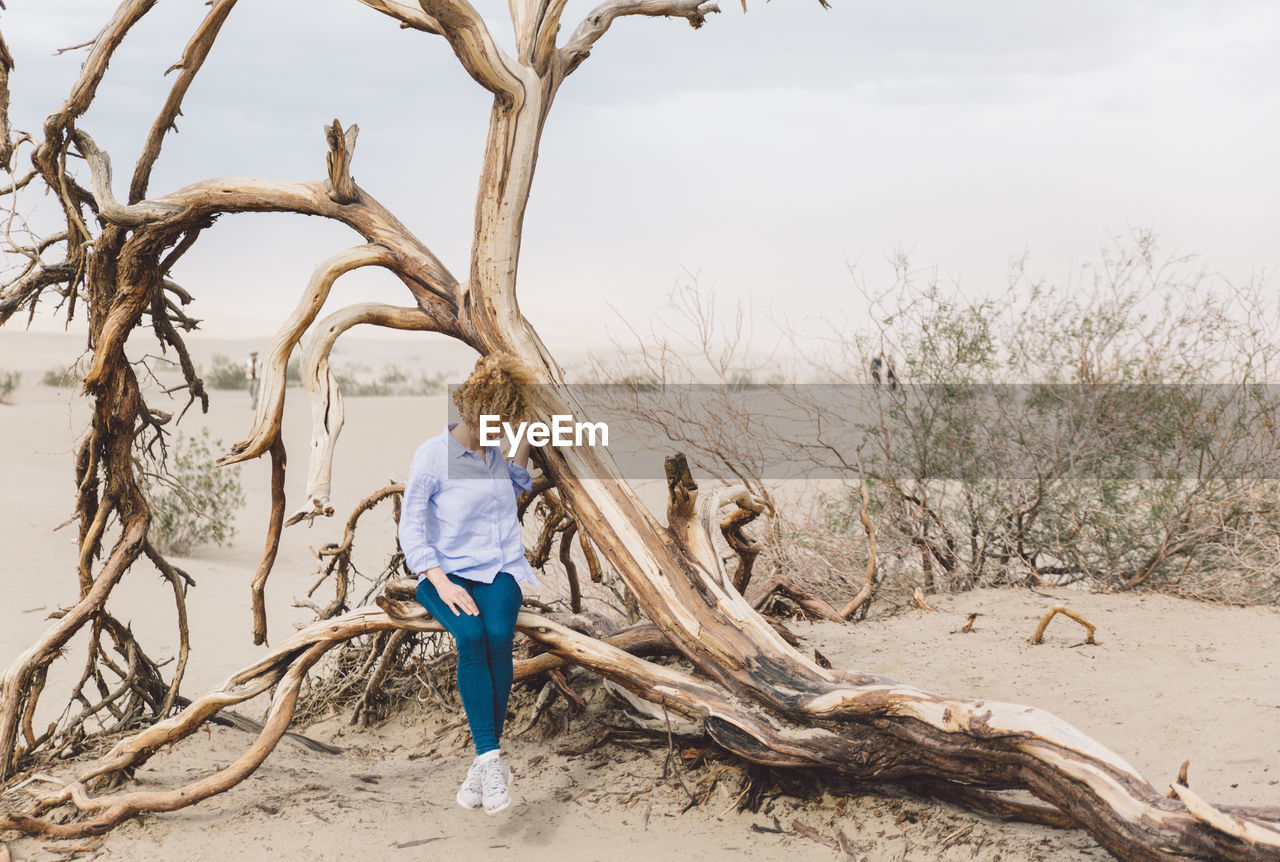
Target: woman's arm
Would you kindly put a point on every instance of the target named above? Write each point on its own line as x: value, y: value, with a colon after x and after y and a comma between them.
x: 516, y: 468
x: 419, y: 555
x: 521, y: 456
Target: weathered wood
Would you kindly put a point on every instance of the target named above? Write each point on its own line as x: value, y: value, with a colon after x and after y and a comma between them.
x: 107, y: 811
x: 193, y: 57
x: 339, y: 554
x: 342, y: 147
x: 746, y: 509
x: 270, y: 410
x: 325, y: 395
x: 754, y: 694
x: 15, y: 682
x: 275, y: 522
x: 570, y: 569
x: 779, y: 584
x: 1037, y: 637
x: 862, y: 598
x: 1013, y: 739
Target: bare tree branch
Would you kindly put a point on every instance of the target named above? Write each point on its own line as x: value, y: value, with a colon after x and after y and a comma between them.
x: 6, y: 66
x: 596, y: 24
x: 193, y: 58
x: 410, y: 15
x: 95, y: 66
x: 266, y: 424
x: 109, y: 209
x: 465, y: 30
x: 275, y: 523
x: 421, y: 270
x: 326, y: 396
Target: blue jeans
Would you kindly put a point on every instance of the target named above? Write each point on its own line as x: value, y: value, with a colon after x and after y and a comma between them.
x: 485, y: 665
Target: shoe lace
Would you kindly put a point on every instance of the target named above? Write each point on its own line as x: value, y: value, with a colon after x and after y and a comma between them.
x: 495, y: 779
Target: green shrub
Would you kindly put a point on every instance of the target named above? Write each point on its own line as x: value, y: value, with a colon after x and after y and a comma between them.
x: 224, y: 374
x: 393, y: 376
x: 9, y: 381
x: 193, y: 502
x: 429, y: 385
x: 354, y: 386
x: 354, y: 380
x: 61, y: 378
x: 636, y: 381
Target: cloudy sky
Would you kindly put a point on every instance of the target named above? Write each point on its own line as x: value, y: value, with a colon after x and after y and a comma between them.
x: 765, y: 152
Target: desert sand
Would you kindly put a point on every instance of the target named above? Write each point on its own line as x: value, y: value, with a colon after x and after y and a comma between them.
x: 1168, y: 681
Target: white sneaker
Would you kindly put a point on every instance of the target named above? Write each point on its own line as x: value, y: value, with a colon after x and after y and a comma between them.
x: 471, y: 793
x: 496, y: 786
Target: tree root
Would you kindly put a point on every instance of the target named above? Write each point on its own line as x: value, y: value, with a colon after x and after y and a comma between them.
x: 109, y: 811
x: 361, y: 713
x: 752, y: 693
x: 778, y: 584
x: 15, y: 683
x: 874, y: 730
x: 990, y: 803
x: 339, y: 554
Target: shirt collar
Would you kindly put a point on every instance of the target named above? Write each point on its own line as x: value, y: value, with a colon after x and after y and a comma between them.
x: 456, y: 449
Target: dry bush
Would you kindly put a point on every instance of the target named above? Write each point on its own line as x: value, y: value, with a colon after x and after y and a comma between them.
x: 9, y: 381
x: 1114, y: 432
x: 193, y: 502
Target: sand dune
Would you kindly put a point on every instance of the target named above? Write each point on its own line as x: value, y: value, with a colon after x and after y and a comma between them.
x: 1170, y: 680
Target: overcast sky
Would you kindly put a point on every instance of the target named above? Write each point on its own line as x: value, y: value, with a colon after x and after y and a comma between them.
x: 765, y: 151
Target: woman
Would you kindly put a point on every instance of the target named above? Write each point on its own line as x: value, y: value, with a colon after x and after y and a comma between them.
x: 461, y: 537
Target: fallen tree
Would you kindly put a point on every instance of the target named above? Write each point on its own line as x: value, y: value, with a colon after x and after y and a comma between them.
x: 754, y: 694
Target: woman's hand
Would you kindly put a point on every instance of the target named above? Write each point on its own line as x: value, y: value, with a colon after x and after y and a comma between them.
x: 521, y: 454
x: 455, y: 598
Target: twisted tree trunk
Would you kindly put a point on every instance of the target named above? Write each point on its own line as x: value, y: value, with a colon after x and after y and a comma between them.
x: 754, y: 694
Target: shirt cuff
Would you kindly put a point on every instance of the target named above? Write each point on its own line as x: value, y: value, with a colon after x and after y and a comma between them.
x: 421, y: 560
x: 519, y: 476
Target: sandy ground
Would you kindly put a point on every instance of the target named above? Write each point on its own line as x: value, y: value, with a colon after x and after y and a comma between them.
x: 1169, y: 681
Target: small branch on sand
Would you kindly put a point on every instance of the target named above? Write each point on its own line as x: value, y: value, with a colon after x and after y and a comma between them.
x: 1054, y: 611
x: 918, y: 601
x: 813, y: 835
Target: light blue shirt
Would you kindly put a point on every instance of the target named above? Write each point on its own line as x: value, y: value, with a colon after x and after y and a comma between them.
x: 459, y: 512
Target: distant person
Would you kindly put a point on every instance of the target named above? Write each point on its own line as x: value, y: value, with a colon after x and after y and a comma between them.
x: 891, y: 373
x: 251, y: 378
x: 461, y: 537
x: 877, y: 362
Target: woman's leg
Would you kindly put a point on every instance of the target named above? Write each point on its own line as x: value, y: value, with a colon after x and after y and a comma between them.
x: 499, y: 604
x: 475, y: 681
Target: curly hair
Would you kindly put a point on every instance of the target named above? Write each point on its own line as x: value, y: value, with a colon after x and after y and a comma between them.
x: 497, y: 385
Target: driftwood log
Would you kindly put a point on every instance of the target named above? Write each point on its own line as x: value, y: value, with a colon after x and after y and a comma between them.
x: 754, y: 694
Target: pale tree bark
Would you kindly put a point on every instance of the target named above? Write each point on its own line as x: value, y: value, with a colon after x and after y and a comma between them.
x: 325, y: 395
x: 753, y: 693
